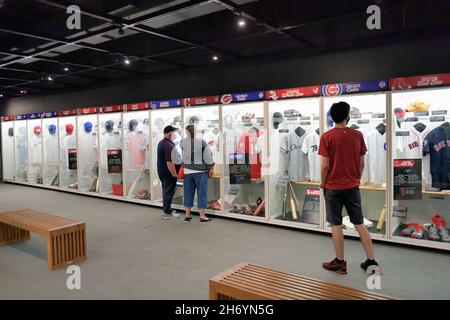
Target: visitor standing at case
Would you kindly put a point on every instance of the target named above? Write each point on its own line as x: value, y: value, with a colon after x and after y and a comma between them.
x: 342, y: 165
x: 167, y: 170
x: 198, y: 166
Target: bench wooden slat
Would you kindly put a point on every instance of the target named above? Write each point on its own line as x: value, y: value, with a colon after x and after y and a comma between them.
x: 65, y: 237
x: 248, y: 281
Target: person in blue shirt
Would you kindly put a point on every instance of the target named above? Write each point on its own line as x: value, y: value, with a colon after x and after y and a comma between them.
x: 167, y: 170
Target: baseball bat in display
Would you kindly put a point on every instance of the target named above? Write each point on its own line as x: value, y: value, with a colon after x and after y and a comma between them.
x: 382, y: 218
x: 260, y: 207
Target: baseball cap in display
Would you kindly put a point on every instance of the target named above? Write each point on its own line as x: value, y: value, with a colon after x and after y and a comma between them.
x: 169, y: 129
x: 52, y: 129
x: 277, y: 119
x: 399, y: 112
x: 88, y: 127
x: 69, y: 128
x: 132, y: 125
x: 194, y: 120
x: 37, y: 130
x: 109, y: 125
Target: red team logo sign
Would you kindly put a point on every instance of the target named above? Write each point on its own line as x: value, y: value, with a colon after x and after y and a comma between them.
x: 226, y: 99
x: 332, y: 90
x: 292, y: 93
x: 433, y: 80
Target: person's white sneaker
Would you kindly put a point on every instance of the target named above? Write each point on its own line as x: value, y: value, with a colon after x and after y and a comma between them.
x: 171, y: 216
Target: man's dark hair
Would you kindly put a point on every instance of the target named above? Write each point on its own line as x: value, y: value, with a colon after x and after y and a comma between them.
x: 339, y: 111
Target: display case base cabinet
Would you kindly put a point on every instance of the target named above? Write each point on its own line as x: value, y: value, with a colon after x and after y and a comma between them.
x: 292, y: 225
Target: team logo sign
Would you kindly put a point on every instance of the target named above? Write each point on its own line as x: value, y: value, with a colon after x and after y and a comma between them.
x: 226, y: 99
x: 332, y: 90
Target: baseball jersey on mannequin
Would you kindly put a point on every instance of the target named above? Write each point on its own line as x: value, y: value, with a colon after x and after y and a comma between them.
x: 376, y: 145
x: 22, y: 145
x: 136, y: 146
x: 88, y: 143
x: 311, y: 148
x: 51, y: 148
x: 365, y: 178
x: 248, y: 144
x: 211, y: 137
x: 36, y: 149
x: 298, y: 168
x: 437, y: 145
x: 109, y: 141
x: 271, y: 161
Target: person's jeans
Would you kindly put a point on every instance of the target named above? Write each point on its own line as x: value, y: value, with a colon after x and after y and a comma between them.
x: 192, y: 182
x: 168, y: 188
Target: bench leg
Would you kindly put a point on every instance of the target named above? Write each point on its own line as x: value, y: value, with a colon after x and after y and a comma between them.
x: 66, y: 248
x: 10, y: 234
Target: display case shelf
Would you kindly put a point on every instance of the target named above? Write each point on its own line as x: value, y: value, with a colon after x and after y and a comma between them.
x: 398, y: 233
x: 370, y: 187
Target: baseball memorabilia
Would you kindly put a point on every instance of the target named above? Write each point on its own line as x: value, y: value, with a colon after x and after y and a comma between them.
x: 260, y: 208
x: 248, y: 144
x: 52, y: 129
x: 436, y: 144
x: 277, y: 120
x: 69, y: 129
x: 37, y: 130
x: 382, y: 219
x: 109, y: 126
x: 377, y: 146
x: 87, y: 127
x: 418, y: 106
x: 411, y: 146
x: 311, y: 148
x: 297, y: 160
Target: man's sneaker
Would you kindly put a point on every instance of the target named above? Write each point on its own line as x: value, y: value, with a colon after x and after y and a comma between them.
x: 335, y: 266
x: 443, y: 233
x: 171, y: 216
x: 370, y: 266
x: 418, y: 233
x: 433, y: 233
x: 205, y: 220
x: 187, y: 219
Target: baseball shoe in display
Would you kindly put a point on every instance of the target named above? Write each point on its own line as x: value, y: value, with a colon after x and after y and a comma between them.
x: 172, y: 216
x: 336, y: 266
x: 443, y: 234
x: 409, y: 229
x: 433, y: 233
x: 371, y: 266
x: 418, y: 233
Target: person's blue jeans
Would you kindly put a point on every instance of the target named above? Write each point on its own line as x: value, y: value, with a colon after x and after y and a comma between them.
x: 199, y: 182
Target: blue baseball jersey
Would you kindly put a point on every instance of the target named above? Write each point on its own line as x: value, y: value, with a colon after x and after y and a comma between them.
x: 437, y: 145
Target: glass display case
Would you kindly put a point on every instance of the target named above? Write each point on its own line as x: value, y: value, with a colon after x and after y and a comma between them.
x: 161, y: 118
x: 421, y: 165
x: 21, y: 150
x: 8, y: 150
x: 35, y: 151
x: 136, y: 132
x: 368, y: 115
x: 206, y: 120
x: 68, y: 152
x: 243, y: 145
x: 294, y: 172
x: 110, y: 165
x: 88, y: 153
x: 50, y: 143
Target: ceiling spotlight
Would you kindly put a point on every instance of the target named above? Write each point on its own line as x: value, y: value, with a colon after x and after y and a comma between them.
x: 66, y: 68
x: 23, y: 91
x: 49, y: 78
x: 242, y: 23
x: 1, y: 95
x: 127, y: 61
x: 215, y: 58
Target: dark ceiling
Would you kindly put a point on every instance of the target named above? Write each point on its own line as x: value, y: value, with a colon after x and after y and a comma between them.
x: 39, y: 54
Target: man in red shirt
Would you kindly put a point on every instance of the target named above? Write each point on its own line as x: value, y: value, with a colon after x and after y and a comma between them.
x: 342, y: 151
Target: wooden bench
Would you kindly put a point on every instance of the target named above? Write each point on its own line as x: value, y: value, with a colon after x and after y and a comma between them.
x: 251, y: 282
x: 66, y: 238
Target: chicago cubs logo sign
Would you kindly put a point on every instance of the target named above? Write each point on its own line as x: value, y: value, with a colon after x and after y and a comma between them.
x: 332, y: 90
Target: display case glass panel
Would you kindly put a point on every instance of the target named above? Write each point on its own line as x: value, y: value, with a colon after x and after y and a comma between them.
x: 110, y: 168
x: 35, y: 151
x: 206, y: 120
x: 50, y: 151
x: 368, y: 115
x: 137, y: 154
x: 421, y: 164
x: 243, y: 145
x: 88, y: 153
x: 68, y: 152
x: 21, y: 150
x: 161, y: 118
x: 8, y: 150
x: 294, y: 162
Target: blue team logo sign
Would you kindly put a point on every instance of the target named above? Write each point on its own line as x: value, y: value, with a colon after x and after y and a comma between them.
x: 34, y: 116
x: 165, y: 104
x: 242, y: 97
x: 354, y: 87
x: 21, y: 117
x: 49, y: 114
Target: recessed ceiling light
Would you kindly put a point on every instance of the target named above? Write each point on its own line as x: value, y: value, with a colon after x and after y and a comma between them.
x: 127, y: 61
x: 23, y: 91
x: 66, y: 68
x: 215, y: 58
x: 242, y: 23
x: 1, y: 95
x: 49, y: 78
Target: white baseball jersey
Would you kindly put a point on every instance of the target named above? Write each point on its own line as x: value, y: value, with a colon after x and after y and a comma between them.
x: 311, y: 148
x: 87, y: 148
x: 410, y: 147
x: 109, y: 141
x: 51, y: 149
x: 35, y: 149
x: 365, y: 178
x: 297, y: 160
x: 376, y: 145
x: 67, y: 142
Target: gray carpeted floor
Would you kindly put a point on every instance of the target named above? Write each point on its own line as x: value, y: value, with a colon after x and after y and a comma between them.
x: 134, y: 254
